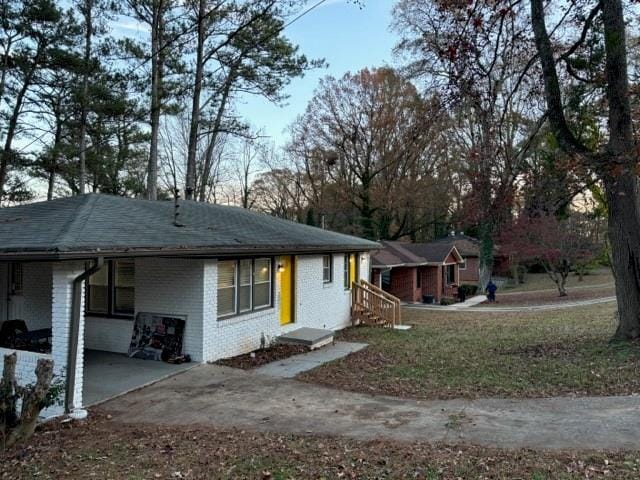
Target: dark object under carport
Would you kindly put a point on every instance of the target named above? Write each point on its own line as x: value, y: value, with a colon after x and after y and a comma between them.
x: 428, y: 299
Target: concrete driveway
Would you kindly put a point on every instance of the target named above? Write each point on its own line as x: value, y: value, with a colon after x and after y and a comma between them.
x: 225, y: 397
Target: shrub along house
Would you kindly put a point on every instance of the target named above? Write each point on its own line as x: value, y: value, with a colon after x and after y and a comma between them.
x: 411, y: 271
x: 98, y: 273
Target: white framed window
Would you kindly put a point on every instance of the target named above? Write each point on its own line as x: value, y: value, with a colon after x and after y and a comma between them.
x: 463, y: 265
x: 244, y: 292
x: 262, y: 283
x: 227, y: 288
x: 244, y: 286
x: 327, y: 268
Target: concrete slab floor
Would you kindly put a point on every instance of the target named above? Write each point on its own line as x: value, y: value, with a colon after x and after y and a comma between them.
x: 211, y: 395
x: 290, y: 367
x: 108, y: 374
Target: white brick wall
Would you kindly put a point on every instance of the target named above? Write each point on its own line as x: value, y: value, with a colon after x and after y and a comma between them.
x: 62, y: 296
x: 318, y: 305
x: 174, y: 287
x: 36, y: 306
x: 108, y: 334
x: 188, y: 288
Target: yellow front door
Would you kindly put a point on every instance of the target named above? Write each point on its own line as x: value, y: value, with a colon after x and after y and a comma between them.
x: 353, y: 269
x: 287, y: 293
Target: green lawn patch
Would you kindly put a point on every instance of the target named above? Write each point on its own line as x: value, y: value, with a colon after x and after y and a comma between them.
x: 471, y: 355
x: 541, y: 281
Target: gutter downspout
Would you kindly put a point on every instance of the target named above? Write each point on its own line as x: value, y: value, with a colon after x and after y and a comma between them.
x: 74, y: 332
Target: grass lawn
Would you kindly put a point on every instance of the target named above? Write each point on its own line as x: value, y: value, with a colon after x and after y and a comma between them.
x: 457, y: 354
x: 102, y: 449
x: 547, y: 297
x: 541, y: 281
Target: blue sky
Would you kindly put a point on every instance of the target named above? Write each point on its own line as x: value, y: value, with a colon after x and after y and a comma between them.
x: 347, y: 37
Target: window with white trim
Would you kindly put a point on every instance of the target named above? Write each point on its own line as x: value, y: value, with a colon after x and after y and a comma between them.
x: 463, y: 265
x: 327, y: 268
x: 244, y: 286
x: 226, y: 288
x: 244, y: 294
x: 261, y: 283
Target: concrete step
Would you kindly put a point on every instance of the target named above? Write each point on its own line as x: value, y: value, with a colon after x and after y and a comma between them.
x: 309, y: 337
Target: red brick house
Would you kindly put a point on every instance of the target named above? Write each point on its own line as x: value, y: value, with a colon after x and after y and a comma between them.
x: 413, y: 270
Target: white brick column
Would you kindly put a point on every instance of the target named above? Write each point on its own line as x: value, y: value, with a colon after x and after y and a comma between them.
x: 63, y: 274
x: 210, y: 310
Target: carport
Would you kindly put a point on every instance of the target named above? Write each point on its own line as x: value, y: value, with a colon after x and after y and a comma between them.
x: 107, y: 374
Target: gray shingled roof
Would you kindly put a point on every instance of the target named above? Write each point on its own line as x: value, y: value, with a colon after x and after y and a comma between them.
x: 81, y: 226
x: 466, y: 245
x: 396, y: 254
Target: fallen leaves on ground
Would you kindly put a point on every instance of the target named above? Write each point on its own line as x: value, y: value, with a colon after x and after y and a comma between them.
x: 102, y: 448
x: 263, y: 356
x: 461, y: 354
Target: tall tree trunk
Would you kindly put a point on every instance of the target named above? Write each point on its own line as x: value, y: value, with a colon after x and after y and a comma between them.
x: 6, y: 60
x: 11, y: 130
x: 157, y: 57
x: 54, y: 156
x: 615, y: 165
x: 487, y: 212
x: 622, y: 188
x: 194, y: 128
x: 366, y: 212
x: 485, y: 266
x: 88, y: 12
x: 623, y: 228
x: 217, y: 123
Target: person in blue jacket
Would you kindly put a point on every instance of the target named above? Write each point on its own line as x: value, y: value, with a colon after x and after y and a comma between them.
x: 491, y: 291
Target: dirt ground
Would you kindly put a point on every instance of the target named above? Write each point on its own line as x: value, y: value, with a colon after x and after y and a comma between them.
x: 265, y: 356
x: 104, y: 449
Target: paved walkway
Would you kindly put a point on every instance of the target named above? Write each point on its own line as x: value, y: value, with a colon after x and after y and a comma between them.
x: 211, y: 395
x: 290, y: 367
x: 525, y: 308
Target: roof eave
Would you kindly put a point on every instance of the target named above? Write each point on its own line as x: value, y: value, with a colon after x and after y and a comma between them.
x: 180, y: 252
x: 408, y: 265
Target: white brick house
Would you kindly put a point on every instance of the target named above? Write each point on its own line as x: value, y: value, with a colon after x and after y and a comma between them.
x: 236, y: 278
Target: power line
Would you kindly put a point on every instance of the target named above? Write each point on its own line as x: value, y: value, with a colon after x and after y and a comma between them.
x: 310, y: 9
x: 260, y: 40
